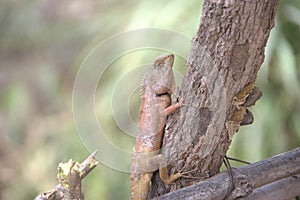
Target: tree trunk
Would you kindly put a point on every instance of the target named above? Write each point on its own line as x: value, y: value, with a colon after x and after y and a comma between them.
x: 226, y: 54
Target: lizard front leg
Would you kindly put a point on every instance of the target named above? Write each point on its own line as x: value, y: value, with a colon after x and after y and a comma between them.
x: 172, y: 108
x: 158, y: 162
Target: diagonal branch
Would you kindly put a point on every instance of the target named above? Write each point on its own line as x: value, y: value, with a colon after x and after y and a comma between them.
x: 270, y: 176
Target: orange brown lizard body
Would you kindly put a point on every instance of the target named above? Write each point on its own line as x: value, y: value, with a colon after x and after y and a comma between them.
x: 156, y: 106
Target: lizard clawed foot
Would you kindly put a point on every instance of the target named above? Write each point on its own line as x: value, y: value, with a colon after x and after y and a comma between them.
x: 182, y: 174
x: 182, y: 104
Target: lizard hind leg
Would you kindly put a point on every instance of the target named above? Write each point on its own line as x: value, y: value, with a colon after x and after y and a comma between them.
x: 159, y: 162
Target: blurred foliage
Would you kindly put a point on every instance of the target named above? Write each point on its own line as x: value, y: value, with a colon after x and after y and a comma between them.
x: 42, y: 45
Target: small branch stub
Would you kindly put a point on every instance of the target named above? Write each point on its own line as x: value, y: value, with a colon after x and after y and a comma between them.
x: 70, y: 175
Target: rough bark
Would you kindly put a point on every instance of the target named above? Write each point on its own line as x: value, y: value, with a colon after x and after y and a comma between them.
x: 226, y: 54
x: 266, y: 179
x: 283, y: 189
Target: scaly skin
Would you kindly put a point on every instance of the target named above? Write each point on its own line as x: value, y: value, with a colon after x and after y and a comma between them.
x: 156, y: 106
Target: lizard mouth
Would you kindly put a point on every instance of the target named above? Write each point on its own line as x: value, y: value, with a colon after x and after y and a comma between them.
x: 162, y: 94
x: 169, y: 92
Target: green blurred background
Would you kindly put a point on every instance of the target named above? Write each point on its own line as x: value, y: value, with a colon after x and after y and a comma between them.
x: 42, y: 45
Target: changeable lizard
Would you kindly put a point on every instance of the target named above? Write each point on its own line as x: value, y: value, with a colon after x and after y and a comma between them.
x: 156, y: 106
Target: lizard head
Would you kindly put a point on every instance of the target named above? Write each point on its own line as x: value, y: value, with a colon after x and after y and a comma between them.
x: 161, y: 77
